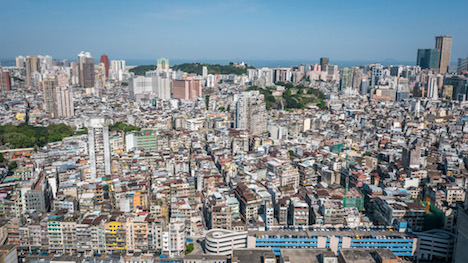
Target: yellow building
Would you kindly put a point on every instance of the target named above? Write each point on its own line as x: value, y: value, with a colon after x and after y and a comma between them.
x: 115, y: 237
x: 20, y: 116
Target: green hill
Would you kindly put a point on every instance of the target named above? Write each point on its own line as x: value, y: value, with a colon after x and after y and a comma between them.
x: 197, y: 68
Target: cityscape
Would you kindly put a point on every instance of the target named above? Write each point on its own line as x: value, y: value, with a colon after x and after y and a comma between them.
x: 102, y: 160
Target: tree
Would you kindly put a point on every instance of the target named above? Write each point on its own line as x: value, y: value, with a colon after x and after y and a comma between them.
x: 207, y: 100
x: 188, y: 248
x: 13, y: 165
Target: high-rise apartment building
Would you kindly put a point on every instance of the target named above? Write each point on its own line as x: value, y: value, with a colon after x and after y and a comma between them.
x: 444, y: 45
x: 20, y: 62
x: 5, y: 80
x: 162, y: 87
x: 32, y: 65
x: 117, y: 68
x: 46, y: 61
x: 86, y: 70
x: 50, y: 95
x: 99, y: 147
x: 58, y: 98
x: 346, y: 79
x: 251, y: 112
x: 428, y: 59
x: 64, y: 102
x: 105, y: 60
x: 205, y: 72
x: 187, y: 89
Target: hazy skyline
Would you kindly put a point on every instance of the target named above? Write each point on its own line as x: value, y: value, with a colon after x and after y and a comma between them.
x: 243, y: 30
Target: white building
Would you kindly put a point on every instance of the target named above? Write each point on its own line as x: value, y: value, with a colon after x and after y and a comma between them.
x: 117, y: 69
x: 99, y: 147
x: 223, y: 242
x: 173, y: 239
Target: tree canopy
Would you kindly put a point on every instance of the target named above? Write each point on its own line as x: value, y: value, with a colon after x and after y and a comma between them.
x: 123, y: 127
x: 141, y: 70
x: 197, y: 68
x: 25, y: 135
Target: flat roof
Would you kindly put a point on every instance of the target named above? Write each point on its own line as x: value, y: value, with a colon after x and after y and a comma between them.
x: 345, y: 233
x: 252, y: 255
x: 303, y: 255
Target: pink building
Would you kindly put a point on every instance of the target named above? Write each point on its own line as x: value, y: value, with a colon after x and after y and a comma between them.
x: 316, y: 67
x: 187, y: 89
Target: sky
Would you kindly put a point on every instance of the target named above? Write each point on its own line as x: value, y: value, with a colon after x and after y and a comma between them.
x: 343, y: 30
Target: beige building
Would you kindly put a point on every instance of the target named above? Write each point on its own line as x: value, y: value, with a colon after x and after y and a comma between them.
x: 444, y: 45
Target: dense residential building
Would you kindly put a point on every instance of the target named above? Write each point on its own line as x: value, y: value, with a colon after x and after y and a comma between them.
x: 193, y: 164
x: 146, y: 139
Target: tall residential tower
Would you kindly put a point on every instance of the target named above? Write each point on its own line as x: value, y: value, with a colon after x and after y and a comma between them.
x: 86, y: 70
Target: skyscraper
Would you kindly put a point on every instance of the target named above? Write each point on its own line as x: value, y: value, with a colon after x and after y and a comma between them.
x: 324, y: 62
x: 32, y: 65
x: 86, y: 70
x: 163, y: 63
x: 444, y: 45
x: 105, y: 60
x: 428, y: 59
x: 50, y: 95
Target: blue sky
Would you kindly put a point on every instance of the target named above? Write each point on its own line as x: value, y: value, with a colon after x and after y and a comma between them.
x: 245, y: 29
